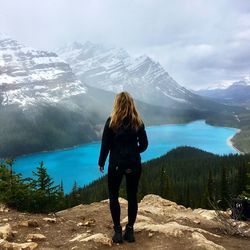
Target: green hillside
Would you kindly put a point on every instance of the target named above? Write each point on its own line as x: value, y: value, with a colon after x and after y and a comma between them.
x: 187, y: 175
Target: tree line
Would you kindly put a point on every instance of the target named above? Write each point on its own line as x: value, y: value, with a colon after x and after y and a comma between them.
x: 186, y: 175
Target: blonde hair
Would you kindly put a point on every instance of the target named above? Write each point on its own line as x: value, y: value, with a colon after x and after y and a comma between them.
x: 124, y: 113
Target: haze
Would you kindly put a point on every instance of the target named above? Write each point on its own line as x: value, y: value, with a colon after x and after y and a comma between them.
x: 200, y: 43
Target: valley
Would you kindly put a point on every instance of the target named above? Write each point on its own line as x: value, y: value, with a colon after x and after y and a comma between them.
x: 47, y: 105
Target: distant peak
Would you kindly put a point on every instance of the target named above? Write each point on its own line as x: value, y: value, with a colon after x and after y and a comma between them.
x: 77, y: 45
x: 247, y: 79
x: 4, y: 36
x: 144, y: 57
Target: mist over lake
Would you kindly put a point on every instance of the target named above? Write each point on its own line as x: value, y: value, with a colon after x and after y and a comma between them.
x: 80, y: 163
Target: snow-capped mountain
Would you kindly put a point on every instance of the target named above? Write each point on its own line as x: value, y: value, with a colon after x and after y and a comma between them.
x: 45, y: 106
x: 29, y: 76
x: 238, y: 93
x: 113, y: 69
x: 37, y: 108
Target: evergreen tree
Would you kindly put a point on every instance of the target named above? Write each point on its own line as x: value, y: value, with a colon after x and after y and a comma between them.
x: 210, y: 190
x: 13, y: 190
x: 241, y: 178
x: 246, y: 192
x: 224, y: 201
x: 188, y: 201
x: 74, y: 196
x: 46, y: 194
x: 164, y: 184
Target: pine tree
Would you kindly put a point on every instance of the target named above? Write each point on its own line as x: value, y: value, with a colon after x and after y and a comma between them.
x: 44, y: 182
x: 13, y: 190
x: 224, y: 189
x: 246, y: 192
x: 161, y: 191
x: 188, y: 202
x: 45, y: 192
x: 241, y: 178
x: 164, y: 184
x: 74, y: 195
x: 61, y: 202
x: 10, y: 162
x: 210, y: 190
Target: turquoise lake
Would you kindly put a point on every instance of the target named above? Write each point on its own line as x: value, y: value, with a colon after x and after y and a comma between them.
x: 80, y: 163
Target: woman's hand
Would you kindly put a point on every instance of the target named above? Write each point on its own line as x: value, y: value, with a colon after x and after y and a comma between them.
x: 101, y: 169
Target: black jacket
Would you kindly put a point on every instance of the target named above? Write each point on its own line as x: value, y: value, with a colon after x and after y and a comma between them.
x: 112, y: 142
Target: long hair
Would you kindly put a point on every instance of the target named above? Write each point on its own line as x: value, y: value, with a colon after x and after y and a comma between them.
x: 124, y: 113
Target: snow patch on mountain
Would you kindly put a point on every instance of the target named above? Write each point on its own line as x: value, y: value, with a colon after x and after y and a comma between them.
x: 29, y: 76
x: 111, y: 68
x: 245, y: 81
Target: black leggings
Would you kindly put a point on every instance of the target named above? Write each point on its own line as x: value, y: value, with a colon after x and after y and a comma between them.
x: 114, y: 182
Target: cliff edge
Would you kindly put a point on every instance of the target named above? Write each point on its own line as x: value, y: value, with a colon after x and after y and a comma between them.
x: 161, y: 224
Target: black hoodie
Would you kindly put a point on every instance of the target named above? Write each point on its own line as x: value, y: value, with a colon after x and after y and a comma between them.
x: 124, y: 145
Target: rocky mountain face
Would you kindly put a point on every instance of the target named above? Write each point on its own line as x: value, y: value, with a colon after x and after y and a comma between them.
x: 237, y: 93
x: 160, y: 224
x: 43, y: 106
x: 29, y: 76
x: 113, y: 69
x: 36, y: 101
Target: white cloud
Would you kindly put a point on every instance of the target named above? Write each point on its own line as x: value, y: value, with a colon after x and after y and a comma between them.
x: 199, y: 42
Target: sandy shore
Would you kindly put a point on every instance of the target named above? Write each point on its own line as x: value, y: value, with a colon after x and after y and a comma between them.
x: 230, y: 143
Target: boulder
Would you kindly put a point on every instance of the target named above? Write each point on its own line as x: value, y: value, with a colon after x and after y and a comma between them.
x: 3, y: 208
x: 139, y: 218
x: 98, y: 238
x: 4, y: 244
x: 154, y: 204
x: 122, y: 201
x: 80, y: 237
x: 172, y: 229
x: 200, y: 242
x: 89, y: 223
x: 28, y: 223
x: 50, y: 220
x: 6, y: 232
x: 36, y: 237
x: 33, y: 223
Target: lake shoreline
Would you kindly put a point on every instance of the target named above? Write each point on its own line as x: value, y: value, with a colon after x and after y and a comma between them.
x: 79, y: 162
x: 231, y: 144
x: 229, y: 140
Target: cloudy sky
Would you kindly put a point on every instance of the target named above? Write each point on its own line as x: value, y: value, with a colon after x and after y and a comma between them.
x: 199, y: 42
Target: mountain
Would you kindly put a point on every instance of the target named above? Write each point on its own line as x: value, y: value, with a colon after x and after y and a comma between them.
x: 43, y: 106
x: 113, y: 69
x: 36, y: 108
x: 237, y: 93
x: 29, y: 76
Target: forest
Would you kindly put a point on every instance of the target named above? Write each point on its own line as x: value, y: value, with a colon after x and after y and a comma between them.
x: 185, y: 175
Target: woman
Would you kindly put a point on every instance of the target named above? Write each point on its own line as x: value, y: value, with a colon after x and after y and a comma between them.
x: 124, y: 137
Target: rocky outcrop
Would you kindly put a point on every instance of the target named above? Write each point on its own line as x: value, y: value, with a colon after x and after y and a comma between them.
x: 17, y: 246
x: 3, y: 208
x: 6, y: 232
x: 98, y: 238
x: 160, y: 224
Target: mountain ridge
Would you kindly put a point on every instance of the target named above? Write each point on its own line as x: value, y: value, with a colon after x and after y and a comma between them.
x: 113, y: 69
x: 237, y: 93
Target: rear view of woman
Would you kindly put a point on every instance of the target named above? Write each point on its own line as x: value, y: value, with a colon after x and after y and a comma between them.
x: 124, y: 137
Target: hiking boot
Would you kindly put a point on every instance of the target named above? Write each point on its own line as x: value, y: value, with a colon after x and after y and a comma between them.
x: 129, y: 234
x: 117, y: 237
